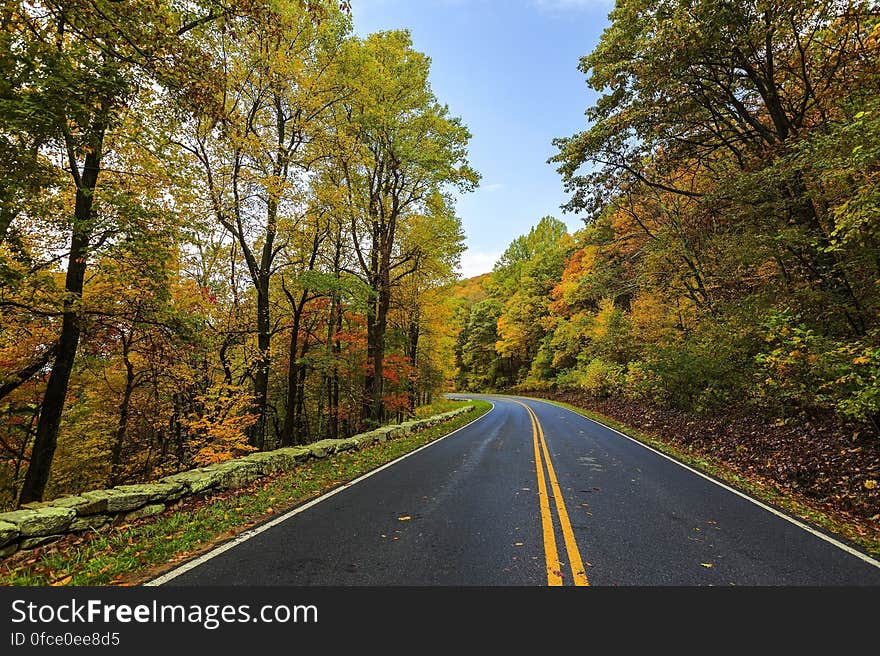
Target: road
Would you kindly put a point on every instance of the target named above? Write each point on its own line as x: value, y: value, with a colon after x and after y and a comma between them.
x: 532, y: 495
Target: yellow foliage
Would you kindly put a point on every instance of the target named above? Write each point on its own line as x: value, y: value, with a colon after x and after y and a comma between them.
x: 603, y: 318
x: 650, y: 318
x: 218, y: 431
x: 564, y: 294
x: 512, y: 336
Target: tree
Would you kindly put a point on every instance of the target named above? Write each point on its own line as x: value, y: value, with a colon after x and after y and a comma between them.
x: 89, y: 59
x: 402, y: 148
x: 253, y: 153
x: 480, y: 366
x: 724, y: 90
x: 436, y: 241
x: 521, y: 282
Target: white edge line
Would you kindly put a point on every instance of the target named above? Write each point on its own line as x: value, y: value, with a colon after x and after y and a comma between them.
x: 247, y: 535
x: 809, y: 529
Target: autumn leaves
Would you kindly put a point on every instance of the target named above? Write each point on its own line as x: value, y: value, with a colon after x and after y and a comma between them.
x: 225, y: 232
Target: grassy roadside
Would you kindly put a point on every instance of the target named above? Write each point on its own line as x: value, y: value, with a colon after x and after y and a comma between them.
x: 134, y: 553
x: 766, y: 491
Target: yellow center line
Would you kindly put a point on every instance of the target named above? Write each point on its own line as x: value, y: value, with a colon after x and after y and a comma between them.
x: 574, y: 555
x: 551, y: 555
x: 554, y: 571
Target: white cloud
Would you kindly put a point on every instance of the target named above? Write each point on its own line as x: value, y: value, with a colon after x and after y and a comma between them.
x: 492, y: 187
x: 474, y: 263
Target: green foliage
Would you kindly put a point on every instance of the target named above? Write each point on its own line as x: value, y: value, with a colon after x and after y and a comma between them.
x: 600, y: 378
x: 480, y: 367
x: 220, y: 170
x: 728, y: 173
x: 691, y: 376
x: 521, y: 284
x: 801, y: 369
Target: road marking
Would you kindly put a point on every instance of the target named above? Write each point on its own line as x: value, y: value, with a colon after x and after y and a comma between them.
x: 554, y: 570
x: 574, y: 555
x: 551, y: 555
x: 247, y: 535
x: 809, y: 529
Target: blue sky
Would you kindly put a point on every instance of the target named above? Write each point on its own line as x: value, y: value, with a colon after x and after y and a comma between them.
x: 508, y: 68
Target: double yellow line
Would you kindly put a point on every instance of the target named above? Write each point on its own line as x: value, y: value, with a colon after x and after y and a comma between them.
x: 551, y: 554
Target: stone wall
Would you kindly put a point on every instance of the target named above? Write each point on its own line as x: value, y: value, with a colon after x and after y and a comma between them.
x: 39, y: 523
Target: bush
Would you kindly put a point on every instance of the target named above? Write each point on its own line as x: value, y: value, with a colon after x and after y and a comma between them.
x: 602, y: 378
x: 804, y: 370
x: 218, y: 429
x: 597, y: 377
x: 641, y: 383
x: 568, y: 380
x: 699, y: 374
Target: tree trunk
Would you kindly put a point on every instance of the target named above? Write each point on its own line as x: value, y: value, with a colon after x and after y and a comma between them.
x: 122, y: 425
x: 414, y: 334
x: 46, y: 438
x: 336, y: 353
x: 261, y: 277
x: 261, y: 375
x: 264, y: 327
x: 288, y: 431
x: 300, y: 420
x: 375, y: 388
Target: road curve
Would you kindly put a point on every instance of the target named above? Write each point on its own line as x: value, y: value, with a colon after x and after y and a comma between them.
x: 532, y: 494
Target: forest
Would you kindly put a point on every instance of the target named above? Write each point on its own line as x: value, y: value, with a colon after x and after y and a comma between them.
x: 727, y: 273
x: 224, y: 227
x: 228, y: 228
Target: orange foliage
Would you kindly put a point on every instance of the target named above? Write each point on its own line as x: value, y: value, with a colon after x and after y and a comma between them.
x: 217, y: 432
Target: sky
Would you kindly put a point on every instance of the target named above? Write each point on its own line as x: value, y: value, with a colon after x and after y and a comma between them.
x: 508, y: 68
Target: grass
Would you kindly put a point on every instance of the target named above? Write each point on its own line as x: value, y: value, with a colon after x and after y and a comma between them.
x: 134, y: 553
x: 438, y: 406
x: 761, y: 489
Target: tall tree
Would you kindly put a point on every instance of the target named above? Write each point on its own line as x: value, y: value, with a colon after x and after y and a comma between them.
x: 403, y: 146
x: 436, y: 240
x: 521, y: 283
x: 253, y: 154
x: 726, y: 89
x: 91, y: 57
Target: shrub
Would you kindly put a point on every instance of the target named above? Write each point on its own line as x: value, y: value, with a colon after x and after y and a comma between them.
x: 702, y: 373
x: 568, y: 380
x: 641, y: 383
x: 597, y: 377
x: 218, y: 429
x: 804, y: 370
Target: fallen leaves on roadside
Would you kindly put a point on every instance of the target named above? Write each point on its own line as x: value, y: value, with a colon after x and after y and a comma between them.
x: 405, y: 518
x: 707, y: 565
x: 62, y: 581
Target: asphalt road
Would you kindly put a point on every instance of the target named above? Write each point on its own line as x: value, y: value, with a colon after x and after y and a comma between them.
x: 533, y: 498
